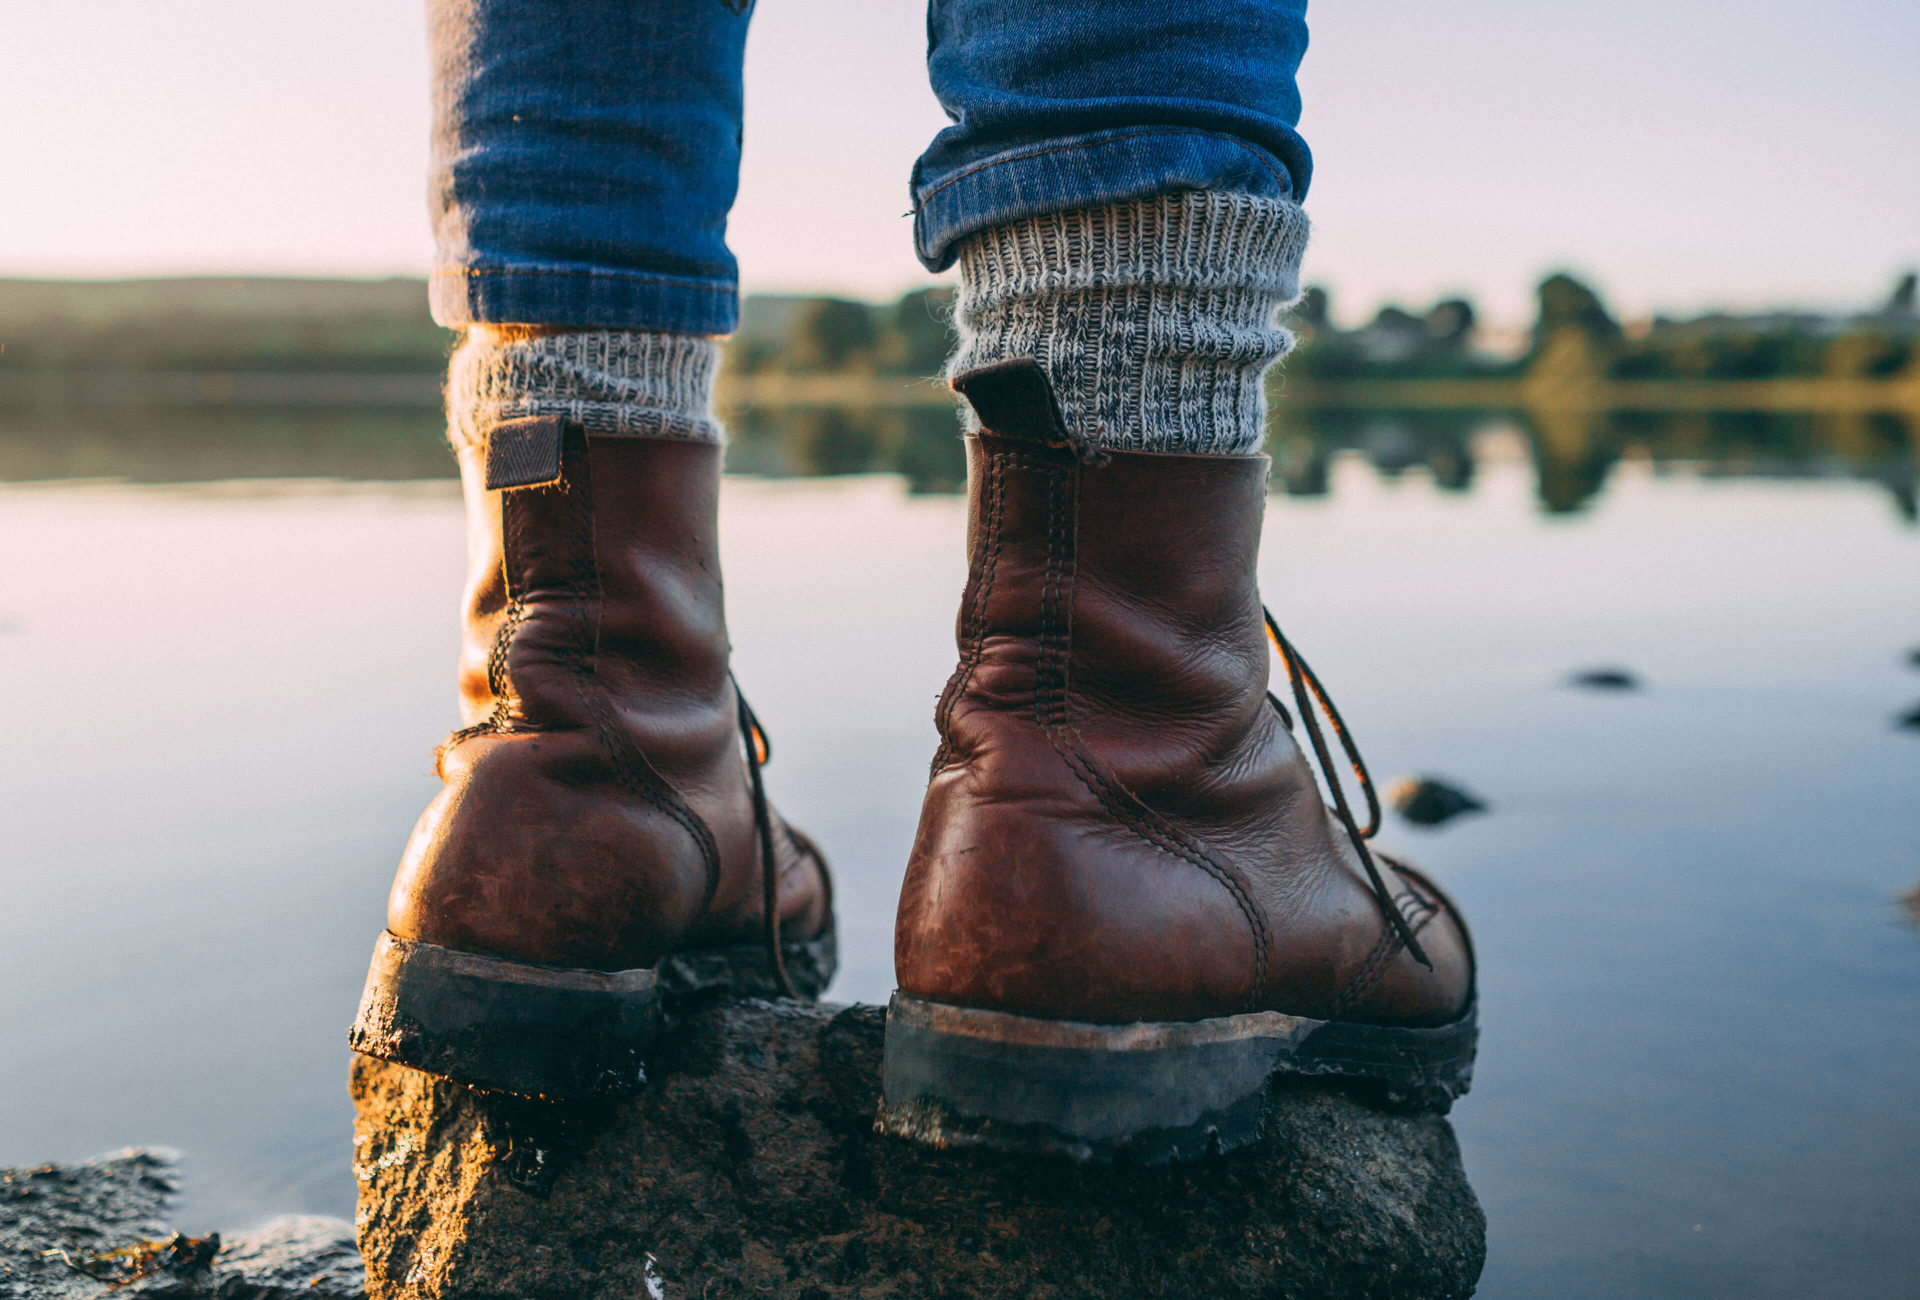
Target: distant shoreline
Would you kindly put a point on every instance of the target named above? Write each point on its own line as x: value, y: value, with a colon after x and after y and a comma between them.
x: 70, y: 389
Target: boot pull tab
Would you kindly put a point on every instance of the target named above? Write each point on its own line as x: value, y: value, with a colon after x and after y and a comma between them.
x: 525, y: 453
x: 1014, y: 400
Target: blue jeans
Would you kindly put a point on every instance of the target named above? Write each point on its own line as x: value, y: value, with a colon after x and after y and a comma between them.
x: 586, y: 152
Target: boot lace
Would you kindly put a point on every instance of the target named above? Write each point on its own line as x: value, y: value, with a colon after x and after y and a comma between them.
x: 1307, y: 692
x: 759, y: 751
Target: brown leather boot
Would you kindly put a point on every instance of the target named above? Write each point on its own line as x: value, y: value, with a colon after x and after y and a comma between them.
x: 602, y: 839
x: 1127, y: 905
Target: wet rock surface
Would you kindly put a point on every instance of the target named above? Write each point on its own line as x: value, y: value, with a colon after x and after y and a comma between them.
x: 98, y: 1229
x: 748, y: 1167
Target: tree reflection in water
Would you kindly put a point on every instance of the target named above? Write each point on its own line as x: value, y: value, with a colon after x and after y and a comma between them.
x: 1573, y: 450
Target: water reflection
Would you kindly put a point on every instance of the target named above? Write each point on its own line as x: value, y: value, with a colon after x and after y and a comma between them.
x: 920, y: 443
x: 1573, y: 450
x: 1440, y: 442
x: 1701, y: 1006
x: 206, y: 444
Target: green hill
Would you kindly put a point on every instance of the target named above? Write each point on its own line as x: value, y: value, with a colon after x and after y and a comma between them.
x: 229, y: 324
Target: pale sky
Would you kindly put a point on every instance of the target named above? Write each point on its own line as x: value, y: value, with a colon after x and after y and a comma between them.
x: 1718, y: 153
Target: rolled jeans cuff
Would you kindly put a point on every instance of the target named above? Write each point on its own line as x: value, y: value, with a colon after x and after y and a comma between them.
x: 583, y: 296
x: 1099, y: 167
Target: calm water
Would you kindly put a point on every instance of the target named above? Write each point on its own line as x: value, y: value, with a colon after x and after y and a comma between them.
x: 1702, y: 1003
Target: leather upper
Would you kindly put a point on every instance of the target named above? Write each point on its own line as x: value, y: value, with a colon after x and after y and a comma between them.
x: 596, y: 810
x: 1119, y: 825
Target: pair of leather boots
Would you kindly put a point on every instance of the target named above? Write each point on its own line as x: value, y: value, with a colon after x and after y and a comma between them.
x: 1127, y: 905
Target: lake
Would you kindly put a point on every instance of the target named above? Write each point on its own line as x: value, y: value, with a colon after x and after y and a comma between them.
x: 229, y: 664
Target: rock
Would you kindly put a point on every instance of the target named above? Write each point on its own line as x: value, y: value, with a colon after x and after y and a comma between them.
x: 1604, y: 679
x: 82, y: 1210
x: 1910, y: 720
x: 1913, y: 657
x: 298, y: 1255
x: 1428, y: 801
x: 749, y: 1167
x: 1910, y: 902
x: 77, y: 1230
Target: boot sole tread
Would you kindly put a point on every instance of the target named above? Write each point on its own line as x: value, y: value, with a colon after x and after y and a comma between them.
x: 550, y: 1031
x: 1145, y: 1093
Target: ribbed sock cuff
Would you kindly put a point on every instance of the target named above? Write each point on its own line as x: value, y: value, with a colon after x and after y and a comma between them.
x: 611, y: 381
x: 1154, y: 320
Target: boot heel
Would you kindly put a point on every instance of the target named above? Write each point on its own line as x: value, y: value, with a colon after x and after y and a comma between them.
x: 1145, y: 1093
x: 541, y: 1031
x: 1142, y: 1093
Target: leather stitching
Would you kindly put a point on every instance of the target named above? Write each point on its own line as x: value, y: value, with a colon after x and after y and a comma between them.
x: 1051, y: 714
x: 636, y: 773
x: 974, y: 637
x: 1421, y: 911
x: 1376, y: 964
x: 499, y: 685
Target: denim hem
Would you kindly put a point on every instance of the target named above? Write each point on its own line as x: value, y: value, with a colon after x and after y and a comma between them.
x: 1083, y: 171
x: 564, y: 295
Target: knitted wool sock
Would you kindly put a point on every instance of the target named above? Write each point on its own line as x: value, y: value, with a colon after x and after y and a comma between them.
x: 611, y: 381
x: 1154, y: 320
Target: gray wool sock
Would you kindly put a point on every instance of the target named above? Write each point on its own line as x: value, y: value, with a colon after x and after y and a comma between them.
x: 611, y: 381
x: 1154, y: 319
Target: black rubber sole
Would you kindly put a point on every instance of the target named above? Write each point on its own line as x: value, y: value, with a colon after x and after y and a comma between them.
x: 549, y: 1031
x: 1141, y: 1093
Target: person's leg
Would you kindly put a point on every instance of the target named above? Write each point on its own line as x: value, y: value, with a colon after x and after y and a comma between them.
x: 585, y: 156
x: 1126, y: 905
x: 1068, y: 105
x: 602, y: 839
x: 1121, y: 190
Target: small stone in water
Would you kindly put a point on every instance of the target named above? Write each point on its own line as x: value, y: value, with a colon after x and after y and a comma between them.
x: 1605, y: 679
x: 1911, y: 901
x: 1910, y: 720
x: 1425, y: 801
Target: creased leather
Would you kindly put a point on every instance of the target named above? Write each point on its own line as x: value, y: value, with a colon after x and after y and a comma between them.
x: 596, y: 809
x: 1118, y: 825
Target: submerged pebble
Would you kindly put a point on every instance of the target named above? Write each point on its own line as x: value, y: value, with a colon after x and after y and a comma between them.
x: 1910, y: 720
x: 1604, y: 679
x: 1427, y: 801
